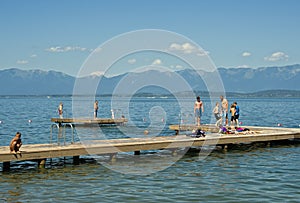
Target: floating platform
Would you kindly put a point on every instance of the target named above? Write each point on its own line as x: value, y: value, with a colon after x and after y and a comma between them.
x: 114, y: 146
x: 90, y: 121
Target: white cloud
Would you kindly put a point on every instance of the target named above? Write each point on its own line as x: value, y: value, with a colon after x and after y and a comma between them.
x: 33, y: 56
x: 203, y: 53
x: 98, y: 49
x: 187, y: 48
x: 97, y: 73
x: 131, y: 61
x: 176, y: 67
x: 179, y: 66
x: 54, y: 49
x: 277, y: 56
x: 66, y: 49
x: 22, y: 62
x: 156, y: 62
x: 243, y: 66
x: 246, y: 54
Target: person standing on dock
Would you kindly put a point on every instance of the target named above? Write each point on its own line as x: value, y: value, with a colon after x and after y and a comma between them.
x: 224, y: 103
x: 96, y: 109
x: 198, y: 110
x: 217, y: 114
x: 60, y: 110
x: 237, y: 114
x: 15, y: 143
x: 232, y: 111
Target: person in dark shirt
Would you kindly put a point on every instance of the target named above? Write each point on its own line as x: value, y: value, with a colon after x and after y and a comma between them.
x: 236, y: 114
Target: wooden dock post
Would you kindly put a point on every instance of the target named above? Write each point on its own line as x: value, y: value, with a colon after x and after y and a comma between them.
x: 174, y: 152
x: 41, y: 163
x: 113, y: 158
x: 76, y: 160
x: 6, y: 166
x: 225, y: 147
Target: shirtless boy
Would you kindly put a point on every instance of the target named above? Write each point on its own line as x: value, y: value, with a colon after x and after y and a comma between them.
x: 224, y: 104
x: 15, y: 143
x: 198, y: 110
x: 96, y: 109
x: 60, y: 110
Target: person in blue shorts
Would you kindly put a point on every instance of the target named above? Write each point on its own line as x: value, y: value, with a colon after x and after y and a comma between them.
x: 236, y: 114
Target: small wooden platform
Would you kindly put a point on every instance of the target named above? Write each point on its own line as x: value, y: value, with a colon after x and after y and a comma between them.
x: 113, y: 146
x: 87, y: 121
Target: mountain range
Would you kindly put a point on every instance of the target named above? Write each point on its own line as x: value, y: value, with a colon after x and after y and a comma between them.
x: 242, y: 80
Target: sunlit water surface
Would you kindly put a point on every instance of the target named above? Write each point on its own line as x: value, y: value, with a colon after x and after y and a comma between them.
x: 252, y: 173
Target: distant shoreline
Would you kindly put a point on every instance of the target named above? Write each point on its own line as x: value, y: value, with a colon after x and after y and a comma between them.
x: 259, y: 94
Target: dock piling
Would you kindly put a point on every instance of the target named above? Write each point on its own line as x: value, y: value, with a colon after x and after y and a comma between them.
x: 225, y: 147
x: 174, y: 152
x: 76, y: 160
x: 113, y: 158
x: 41, y: 163
x: 6, y: 166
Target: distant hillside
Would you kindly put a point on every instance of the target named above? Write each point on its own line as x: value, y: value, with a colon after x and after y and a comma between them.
x: 267, y: 94
x: 238, y: 80
x: 34, y: 82
x: 266, y: 78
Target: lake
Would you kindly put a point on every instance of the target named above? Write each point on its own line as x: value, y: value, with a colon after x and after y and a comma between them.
x: 247, y: 173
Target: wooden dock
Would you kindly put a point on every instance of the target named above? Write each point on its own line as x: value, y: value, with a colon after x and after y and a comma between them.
x: 90, y: 121
x: 41, y: 152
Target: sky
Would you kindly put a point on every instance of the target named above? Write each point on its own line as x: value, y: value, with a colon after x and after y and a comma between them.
x: 60, y: 35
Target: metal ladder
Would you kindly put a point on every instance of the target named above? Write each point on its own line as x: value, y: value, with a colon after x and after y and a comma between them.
x: 61, y: 132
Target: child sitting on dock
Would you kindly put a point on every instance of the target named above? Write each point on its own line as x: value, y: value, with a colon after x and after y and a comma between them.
x: 15, y: 143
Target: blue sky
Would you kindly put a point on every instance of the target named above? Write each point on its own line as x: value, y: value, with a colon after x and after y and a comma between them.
x: 60, y: 35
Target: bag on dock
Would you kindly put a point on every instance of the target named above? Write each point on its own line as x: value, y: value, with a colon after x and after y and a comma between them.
x: 198, y: 133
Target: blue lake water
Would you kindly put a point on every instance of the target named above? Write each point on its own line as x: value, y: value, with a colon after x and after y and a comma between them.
x: 251, y: 173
